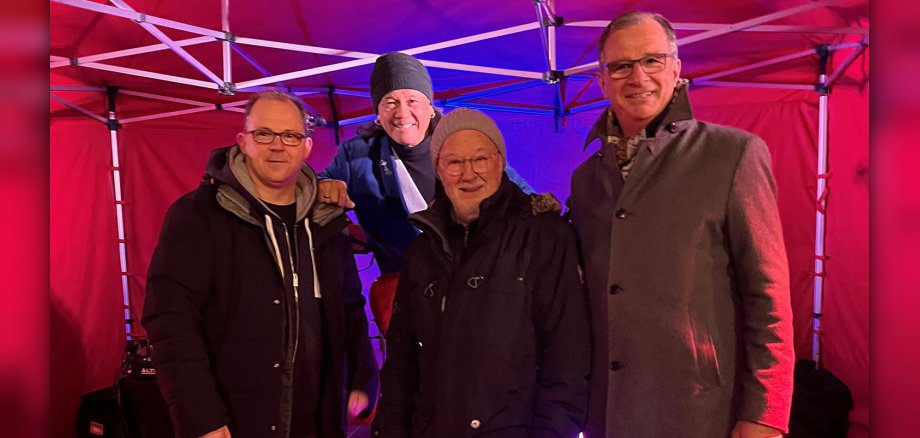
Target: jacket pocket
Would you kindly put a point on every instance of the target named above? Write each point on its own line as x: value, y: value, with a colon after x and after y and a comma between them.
x: 708, y: 375
x: 509, y: 416
x: 499, y: 310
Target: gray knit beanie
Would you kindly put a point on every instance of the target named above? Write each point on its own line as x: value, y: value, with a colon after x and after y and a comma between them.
x: 465, y: 118
x: 397, y: 71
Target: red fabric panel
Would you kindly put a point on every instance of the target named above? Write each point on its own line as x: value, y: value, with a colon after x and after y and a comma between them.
x: 87, y: 321
x: 162, y: 160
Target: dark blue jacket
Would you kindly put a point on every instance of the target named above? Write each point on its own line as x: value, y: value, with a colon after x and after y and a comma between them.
x: 367, y: 166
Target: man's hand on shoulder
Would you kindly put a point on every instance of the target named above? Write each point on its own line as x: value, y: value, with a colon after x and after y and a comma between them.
x: 333, y: 191
x: 747, y: 429
x: 223, y: 432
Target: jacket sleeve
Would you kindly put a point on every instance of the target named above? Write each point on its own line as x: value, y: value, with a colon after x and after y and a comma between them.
x: 178, y: 287
x: 362, y: 366
x: 400, y: 375
x: 339, y: 167
x: 762, y: 284
x: 563, y: 333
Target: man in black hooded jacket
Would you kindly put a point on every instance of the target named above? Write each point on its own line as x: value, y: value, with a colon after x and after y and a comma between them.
x: 254, y: 306
x: 490, y: 335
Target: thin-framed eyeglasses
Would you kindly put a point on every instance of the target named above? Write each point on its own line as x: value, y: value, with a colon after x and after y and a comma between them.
x: 653, y: 63
x: 454, y: 166
x: 266, y: 136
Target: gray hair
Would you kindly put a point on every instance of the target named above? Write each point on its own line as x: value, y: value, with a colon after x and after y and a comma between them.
x: 633, y: 18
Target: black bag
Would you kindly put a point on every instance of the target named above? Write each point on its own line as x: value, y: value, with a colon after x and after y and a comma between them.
x: 142, y: 407
x: 99, y: 415
x: 132, y: 407
x: 821, y: 403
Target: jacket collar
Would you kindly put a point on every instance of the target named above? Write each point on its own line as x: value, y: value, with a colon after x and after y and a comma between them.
x: 438, y: 218
x: 677, y: 116
x: 238, y: 194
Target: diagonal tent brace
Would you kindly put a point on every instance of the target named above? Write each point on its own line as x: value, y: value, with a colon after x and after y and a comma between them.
x: 79, y: 108
x: 185, y: 55
x: 801, y: 54
x: 59, y: 61
x: 856, y: 53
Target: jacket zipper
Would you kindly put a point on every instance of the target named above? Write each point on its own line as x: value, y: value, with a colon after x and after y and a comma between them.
x: 296, y: 282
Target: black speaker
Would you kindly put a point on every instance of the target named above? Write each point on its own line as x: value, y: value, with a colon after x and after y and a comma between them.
x: 132, y: 407
x: 99, y: 415
x: 143, y: 409
x: 821, y: 403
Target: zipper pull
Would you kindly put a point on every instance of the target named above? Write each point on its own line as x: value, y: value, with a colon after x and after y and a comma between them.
x: 296, y: 284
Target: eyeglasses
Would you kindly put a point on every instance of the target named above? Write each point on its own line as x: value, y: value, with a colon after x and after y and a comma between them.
x: 653, y: 63
x: 265, y: 136
x: 455, y: 166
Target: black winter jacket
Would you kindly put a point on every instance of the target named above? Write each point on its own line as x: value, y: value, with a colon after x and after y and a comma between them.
x: 490, y: 332
x: 221, y: 308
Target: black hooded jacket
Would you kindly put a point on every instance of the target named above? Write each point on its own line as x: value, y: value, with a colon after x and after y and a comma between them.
x: 489, y: 334
x: 227, y: 305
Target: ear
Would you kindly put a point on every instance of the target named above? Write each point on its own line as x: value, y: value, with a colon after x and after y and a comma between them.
x: 602, y: 83
x: 239, y: 139
x: 307, y: 147
x: 676, y: 68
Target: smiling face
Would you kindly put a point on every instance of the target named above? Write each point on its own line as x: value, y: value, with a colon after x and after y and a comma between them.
x: 467, y: 190
x: 274, y: 167
x: 405, y: 115
x: 639, y: 97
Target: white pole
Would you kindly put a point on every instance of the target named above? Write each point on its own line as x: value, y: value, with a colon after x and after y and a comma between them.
x: 119, y: 213
x: 820, y: 219
x: 225, y: 45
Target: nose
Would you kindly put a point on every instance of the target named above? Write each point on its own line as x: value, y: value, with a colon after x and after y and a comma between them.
x: 402, y: 110
x: 468, y: 173
x: 276, y: 143
x: 637, y: 74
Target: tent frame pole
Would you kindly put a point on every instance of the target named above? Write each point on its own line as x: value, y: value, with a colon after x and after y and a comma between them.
x: 114, y: 125
x: 821, y: 204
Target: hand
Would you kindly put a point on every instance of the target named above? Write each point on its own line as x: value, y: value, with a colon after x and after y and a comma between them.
x: 357, y: 403
x: 223, y: 432
x: 333, y: 191
x: 746, y: 429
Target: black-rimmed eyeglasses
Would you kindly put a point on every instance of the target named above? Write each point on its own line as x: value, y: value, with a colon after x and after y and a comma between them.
x: 265, y: 136
x: 653, y: 63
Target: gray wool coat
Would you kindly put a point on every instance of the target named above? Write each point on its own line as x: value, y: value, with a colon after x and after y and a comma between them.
x: 688, y: 283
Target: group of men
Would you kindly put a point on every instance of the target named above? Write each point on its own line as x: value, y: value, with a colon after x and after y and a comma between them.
x: 660, y: 309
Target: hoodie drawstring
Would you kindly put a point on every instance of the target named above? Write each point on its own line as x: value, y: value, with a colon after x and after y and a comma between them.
x: 271, y: 233
x: 316, y: 291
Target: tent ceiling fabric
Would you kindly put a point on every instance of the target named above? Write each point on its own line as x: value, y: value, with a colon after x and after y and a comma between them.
x: 770, y: 29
